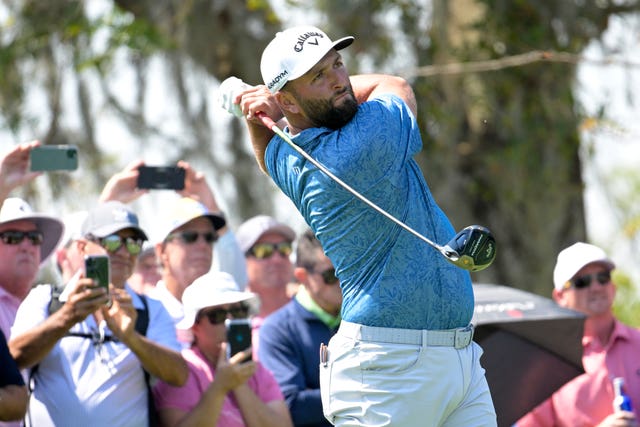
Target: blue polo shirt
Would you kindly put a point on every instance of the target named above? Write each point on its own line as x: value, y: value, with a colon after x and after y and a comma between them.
x: 389, y: 277
x: 289, y: 347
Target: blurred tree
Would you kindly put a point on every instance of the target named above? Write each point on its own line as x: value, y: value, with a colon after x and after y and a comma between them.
x: 501, y: 148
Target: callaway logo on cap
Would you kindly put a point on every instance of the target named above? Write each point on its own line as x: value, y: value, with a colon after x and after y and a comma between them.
x: 293, y: 52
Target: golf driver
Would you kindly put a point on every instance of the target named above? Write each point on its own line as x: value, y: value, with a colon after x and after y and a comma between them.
x: 472, y: 249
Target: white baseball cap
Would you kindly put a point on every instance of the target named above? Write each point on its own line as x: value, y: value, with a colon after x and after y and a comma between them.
x: 573, y: 258
x: 293, y: 52
x: 213, y: 289
x: 185, y: 210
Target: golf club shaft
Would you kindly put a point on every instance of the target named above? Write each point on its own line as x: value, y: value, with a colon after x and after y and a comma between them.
x: 266, y: 120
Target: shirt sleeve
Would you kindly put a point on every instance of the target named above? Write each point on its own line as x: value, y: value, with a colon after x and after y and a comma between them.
x: 33, y: 310
x: 161, y: 326
x: 9, y: 373
x: 184, y: 398
x: 264, y: 385
x: 541, y: 416
x: 280, y: 354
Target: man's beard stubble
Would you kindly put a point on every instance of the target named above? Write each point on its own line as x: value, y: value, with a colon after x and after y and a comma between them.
x: 324, y: 113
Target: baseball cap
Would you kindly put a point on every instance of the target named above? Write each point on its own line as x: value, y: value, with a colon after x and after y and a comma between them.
x: 295, y: 51
x: 250, y: 231
x: 187, y: 209
x: 573, y: 258
x: 212, y: 289
x: 16, y: 209
x: 110, y: 217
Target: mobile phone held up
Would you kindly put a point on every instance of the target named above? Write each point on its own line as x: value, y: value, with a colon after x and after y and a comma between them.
x: 238, y: 336
x: 161, y: 178
x: 96, y: 267
x: 53, y: 158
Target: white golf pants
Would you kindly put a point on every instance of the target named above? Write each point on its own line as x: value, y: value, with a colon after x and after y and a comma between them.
x: 378, y: 377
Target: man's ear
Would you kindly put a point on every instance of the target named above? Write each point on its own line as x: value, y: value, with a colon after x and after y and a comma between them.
x: 160, y: 253
x: 82, y: 244
x: 287, y: 102
x: 557, y: 296
x: 300, y: 274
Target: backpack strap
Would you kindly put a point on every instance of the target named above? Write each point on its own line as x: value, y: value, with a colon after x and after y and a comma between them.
x: 142, y: 324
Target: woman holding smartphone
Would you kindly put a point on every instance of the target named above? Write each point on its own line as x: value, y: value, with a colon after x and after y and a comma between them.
x: 220, y: 391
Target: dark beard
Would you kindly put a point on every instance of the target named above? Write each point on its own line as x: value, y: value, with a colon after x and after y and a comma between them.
x: 324, y: 114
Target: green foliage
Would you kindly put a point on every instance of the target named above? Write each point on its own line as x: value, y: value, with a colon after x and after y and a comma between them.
x: 627, y: 304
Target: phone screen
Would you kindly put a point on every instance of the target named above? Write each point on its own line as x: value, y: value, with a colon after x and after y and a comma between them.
x: 54, y: 158
x: 96, y: 267
x: 238, y: 336
x: 161, y: 178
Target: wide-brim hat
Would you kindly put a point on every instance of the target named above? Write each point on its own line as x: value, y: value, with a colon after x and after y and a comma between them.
x: 572, y: 259
x: 252, y: 229
x: 295, y: 51
x: 213, y: 289
x: 15, y: 209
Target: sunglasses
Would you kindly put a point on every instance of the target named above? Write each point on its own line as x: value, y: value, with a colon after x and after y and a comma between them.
x: 113, y: 242
x: 265, y: 250
x: 329, y: 276
x: 190, y: 237
x: 217, y: 316
x: 581, y: 282
x: 15, y: 237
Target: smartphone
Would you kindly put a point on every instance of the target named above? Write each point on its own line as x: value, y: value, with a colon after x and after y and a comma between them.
x: 238, y: 336
x: 161, y: 177
x: 54, y: 158
x: 96, y: 267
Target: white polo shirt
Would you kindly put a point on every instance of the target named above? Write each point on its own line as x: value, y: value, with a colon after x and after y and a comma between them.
x: 84, y: 381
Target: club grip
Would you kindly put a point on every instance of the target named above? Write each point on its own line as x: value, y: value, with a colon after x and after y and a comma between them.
x: 266, y: 120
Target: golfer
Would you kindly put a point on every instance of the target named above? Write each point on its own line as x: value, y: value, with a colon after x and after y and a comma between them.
x: 403, y: 355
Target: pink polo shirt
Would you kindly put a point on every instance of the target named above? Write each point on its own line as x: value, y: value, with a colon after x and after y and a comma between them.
x: 8, y: 308
x: 201, y: 375
x: 588, y: 399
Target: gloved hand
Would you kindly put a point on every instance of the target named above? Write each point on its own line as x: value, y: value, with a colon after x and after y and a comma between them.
x: 227, y: 91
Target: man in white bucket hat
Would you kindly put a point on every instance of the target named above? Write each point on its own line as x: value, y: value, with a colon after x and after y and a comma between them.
x: 27, y: 239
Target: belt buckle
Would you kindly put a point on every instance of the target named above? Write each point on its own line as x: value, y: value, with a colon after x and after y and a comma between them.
x: 463, y: 337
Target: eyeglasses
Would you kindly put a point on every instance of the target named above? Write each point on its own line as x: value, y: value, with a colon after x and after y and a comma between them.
x: 217, y: 316
x: 190, y: 237
x: 113, y: 242
x: 581, y: 282
x: 265, y: 250
x: 329, y: 276
x: 15, y: 237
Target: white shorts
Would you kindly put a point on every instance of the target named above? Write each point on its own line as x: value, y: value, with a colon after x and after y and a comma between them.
x: 402, y: 377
